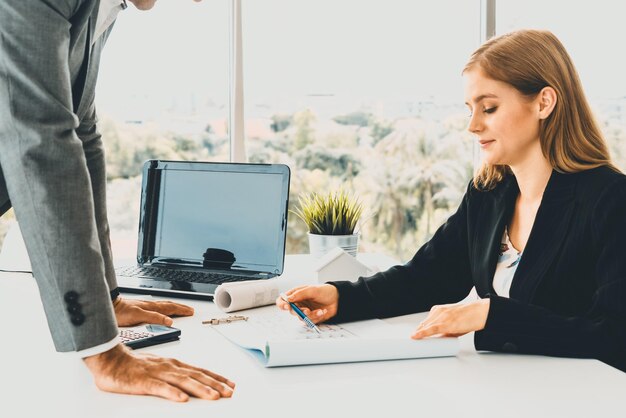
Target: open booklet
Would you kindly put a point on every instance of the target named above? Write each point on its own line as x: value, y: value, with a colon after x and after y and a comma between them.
x: 280, y: 339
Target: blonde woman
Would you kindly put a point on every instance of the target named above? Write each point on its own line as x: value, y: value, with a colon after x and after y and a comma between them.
x: 539, y: 232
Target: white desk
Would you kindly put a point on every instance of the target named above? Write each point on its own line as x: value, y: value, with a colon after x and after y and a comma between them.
x: 36, y: 381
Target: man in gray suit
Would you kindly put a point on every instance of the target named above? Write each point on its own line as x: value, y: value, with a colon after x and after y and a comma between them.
x: 52, y: 171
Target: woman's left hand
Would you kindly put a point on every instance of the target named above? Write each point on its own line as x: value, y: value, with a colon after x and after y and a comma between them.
x: 454, y: 320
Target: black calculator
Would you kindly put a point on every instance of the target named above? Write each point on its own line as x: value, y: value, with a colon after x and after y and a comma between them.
x: 147, y: 335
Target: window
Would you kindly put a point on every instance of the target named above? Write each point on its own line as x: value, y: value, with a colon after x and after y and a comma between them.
x: 365, y: 95
x: 593, y: 34
x: 162, y: 93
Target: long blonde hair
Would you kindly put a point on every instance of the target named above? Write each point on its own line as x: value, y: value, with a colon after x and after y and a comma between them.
x: 530, y: 60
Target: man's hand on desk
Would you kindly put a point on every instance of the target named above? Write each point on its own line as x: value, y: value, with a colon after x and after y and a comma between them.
x: 319, y: 303
x: 121, y: 371
x: 129, y: 312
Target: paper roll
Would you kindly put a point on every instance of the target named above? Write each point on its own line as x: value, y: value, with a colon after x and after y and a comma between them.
x: 236, y: 296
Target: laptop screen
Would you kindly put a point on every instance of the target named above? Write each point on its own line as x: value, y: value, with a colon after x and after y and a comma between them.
x: 218, y: 216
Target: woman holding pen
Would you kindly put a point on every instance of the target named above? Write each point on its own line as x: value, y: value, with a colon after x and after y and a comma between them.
x: 539, y: 232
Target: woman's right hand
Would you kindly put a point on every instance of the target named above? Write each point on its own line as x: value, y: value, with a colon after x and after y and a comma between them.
x: 319, y: 303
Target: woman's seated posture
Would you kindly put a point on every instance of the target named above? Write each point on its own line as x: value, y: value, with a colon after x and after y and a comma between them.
x: 541, y: 230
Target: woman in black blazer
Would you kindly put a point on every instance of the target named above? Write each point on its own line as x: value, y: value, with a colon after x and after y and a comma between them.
x: 538, y: 233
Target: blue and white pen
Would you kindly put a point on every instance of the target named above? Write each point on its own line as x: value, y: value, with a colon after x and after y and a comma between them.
x: 301, y: 314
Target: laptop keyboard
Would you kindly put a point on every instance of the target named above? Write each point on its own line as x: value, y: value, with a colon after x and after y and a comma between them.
x: 178, y: 275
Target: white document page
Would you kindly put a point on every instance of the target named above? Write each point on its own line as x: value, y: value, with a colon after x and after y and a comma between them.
x: 280, y: 339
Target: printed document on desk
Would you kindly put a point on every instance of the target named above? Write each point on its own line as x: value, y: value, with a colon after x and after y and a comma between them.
x: 280, y: 339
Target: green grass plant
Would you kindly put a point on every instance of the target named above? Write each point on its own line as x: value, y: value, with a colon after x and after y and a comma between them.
x: 334, y: 213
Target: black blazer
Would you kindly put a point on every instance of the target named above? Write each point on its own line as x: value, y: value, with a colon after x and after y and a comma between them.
x: 568, y: 295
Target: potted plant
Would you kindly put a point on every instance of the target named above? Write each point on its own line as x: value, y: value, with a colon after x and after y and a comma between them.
x: 331, y: 219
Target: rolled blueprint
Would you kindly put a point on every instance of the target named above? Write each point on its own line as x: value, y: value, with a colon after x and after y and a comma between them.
x: 236, y: 296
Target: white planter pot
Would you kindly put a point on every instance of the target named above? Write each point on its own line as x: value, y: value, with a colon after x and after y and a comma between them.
x: 321, y: 244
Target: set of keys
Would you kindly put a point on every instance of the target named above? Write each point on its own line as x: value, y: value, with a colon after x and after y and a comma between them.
x: 225, y: 320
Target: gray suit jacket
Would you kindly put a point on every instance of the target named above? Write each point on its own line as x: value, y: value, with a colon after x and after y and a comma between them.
x: 52, y: 162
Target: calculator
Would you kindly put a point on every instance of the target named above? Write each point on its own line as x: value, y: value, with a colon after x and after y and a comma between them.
x: 147, y: 335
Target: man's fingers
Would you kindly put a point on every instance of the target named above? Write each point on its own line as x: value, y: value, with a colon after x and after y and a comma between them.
x: 167, y: 308
x: 209, y: 381
x: 224, y: 385
x: 178, y: 383
x: 209, y: 373
x: 144, y: 383
x: 164, y: 390
x: 220, y: 378
x: 130, y: 312
x: 151, y: 317
x: 191, y: 380
x: 191, y: 386
x: 172, y: 308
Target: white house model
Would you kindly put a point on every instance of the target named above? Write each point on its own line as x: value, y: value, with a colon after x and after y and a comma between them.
x: 339, y: 265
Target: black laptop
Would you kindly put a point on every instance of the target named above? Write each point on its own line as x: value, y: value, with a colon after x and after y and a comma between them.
x: 203, y: 224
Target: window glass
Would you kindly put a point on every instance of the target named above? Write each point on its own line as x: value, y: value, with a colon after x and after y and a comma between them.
x: 593, y: 33
x: 366, y: 96
x: 162, y: 93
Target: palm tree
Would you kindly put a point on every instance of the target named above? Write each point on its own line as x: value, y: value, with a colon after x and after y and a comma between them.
x: 415, y: 170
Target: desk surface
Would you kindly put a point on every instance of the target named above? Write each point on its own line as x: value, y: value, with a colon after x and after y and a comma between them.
x: 37, y: 381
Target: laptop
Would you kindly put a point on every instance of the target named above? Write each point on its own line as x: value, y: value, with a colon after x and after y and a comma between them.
x: 203, y: 223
